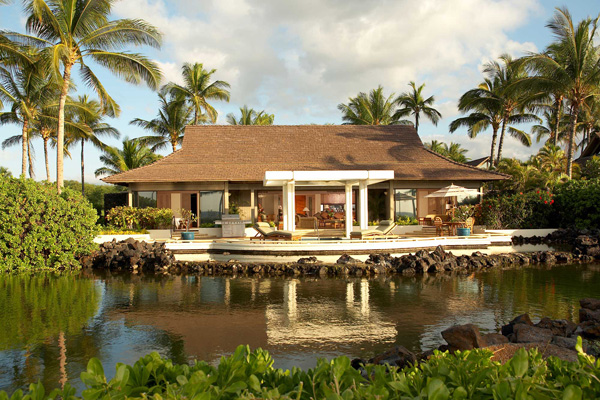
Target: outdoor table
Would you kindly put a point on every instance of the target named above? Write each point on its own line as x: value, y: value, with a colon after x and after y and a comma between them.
x: 453, y: 226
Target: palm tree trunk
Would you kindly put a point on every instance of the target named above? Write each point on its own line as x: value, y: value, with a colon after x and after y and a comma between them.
x: 196, y: 116
x: 571, y: 148
x: 46, y: 158
x: 174, y: 144
x: 60, y: 135
x: 24, y: 143
x: 30, y: 160
x: 417, y: 122
x: 82, y: 169
x: 557, y: 122
x: 493, y: 151
x: 501, y: 143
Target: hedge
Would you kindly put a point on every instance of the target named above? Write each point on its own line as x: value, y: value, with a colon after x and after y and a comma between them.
x: 249, y: 375
x: 140, y: 218
x: 40, y: 229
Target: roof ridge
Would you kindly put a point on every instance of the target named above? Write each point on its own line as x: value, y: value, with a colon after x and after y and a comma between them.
x: 465, y: 165
x: 142, y: 167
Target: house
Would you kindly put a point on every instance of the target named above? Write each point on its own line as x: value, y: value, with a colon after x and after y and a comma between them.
x: 276, y: 172
x: 482, y: 162
x: 592, y: 149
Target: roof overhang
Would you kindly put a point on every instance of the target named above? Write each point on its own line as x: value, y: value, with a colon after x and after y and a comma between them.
x: 326, y: 178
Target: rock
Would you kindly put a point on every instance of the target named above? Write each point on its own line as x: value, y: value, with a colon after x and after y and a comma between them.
x: 307, y: 260
x: 398, y: 356
x: 492, y: 339
x: 505, y: 352
x: 590, y: 329
x: 560, y: 327
x: 590, y: 303
x: 346, y: 259
x: 566, y: 342
x: 463, y: 337
x: 529, y: 334
x: 521, y: 319
x: 589, y: 315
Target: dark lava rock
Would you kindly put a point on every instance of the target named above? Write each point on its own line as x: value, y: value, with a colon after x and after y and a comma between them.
x: 589, y: 315
x: 566, y: 342
x: 529, y: 334
x: 590, y: 329
x: 560, y: 327
x: 346, y: 259
x: 398, y: 356
x: 521, y: 319
x: 590, y: 304
x: 463, y: 337
x: 492, y: 339
x: 307, y: 260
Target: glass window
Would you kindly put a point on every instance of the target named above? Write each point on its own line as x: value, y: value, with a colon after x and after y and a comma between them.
x: 144, y: 199
x: 405, y: 202
x: 211, y: 206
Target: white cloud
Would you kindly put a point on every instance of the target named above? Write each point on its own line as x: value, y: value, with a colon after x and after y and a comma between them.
x: 298, y: 60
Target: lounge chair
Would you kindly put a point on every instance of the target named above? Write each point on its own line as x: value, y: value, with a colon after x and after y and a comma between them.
x: 383, y: 230
x: 263, y: 234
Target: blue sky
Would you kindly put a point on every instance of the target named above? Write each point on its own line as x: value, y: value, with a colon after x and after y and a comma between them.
x: 300, y: 59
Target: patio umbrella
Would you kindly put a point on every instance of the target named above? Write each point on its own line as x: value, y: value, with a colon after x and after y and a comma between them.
x: 453, y: 191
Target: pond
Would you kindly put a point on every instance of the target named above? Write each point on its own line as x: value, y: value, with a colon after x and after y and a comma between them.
x: 52, y: 325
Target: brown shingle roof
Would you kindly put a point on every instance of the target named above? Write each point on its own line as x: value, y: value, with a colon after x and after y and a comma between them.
x: 244, y: 153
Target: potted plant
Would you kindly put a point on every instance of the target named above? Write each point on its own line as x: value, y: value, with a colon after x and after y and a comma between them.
x: 461, y: 214
x: 188, y: 217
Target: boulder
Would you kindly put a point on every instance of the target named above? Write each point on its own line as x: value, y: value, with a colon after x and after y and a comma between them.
x: 590, y: 303
x: 566, y: 342
x: 398, y: 356
x: 492, y: 339
x: 589, y: 315
x: 524, y: 333
x: 590, y: 329
x: 559, y: 327
x: 463, y: 337
x: 346, y: 259
x: 521, y: 319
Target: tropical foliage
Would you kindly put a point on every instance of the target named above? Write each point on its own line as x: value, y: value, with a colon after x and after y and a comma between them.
x: 250, y: 375
x: 134, y: 154
x: 413, y: 103
x: 41, y: 229
x: 198, y: 89
x: 372, y: 109
x: 249, y: 116
x: 453, y: 151
x: 140, y: 218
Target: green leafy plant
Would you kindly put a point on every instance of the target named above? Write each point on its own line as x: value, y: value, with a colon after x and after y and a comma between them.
x: 462, y: 213
x: 188, y: 217
x: 402, y: 220
x: 41, y: 229
x: 523, y: 210
x: 133, y: 218
x: 250, y: 375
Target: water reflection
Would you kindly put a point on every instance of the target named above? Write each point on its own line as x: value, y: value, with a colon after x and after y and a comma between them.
x: 53, y: 324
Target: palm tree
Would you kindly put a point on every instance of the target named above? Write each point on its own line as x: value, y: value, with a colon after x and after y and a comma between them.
x: 454, y: 151
x: 249, y: 116
x: 5, y: 172
x: 574, y: 72
x: 548, y: 129
x: 524, y: 177
x: 28, y: 89
x: 168, y: 128
x: 435, y: 146
x: 135, y: 154
x: 18, y: 139
x: 72, y: 32
x: 413, y: 103
x: 198, y: 89
x: 589, y: 122
x: 371, y: 109
x: 89, y: 113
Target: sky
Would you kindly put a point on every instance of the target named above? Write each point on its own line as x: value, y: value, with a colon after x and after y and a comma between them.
x: 300, y: 59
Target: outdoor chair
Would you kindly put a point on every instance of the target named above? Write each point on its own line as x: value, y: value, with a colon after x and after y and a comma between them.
x: 264, y: 234
x: 439, y: 227
x: 469, y: 223
x: 383, y: 230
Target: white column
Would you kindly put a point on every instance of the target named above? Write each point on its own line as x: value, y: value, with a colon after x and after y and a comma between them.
x: 284, y: 200
x: 130, y: 198
x: 348, y: 189
x: 226, y: 197
x: 291, y: 204
x: 252, y: 206
x: 363, y: 194
x: 391, y: 202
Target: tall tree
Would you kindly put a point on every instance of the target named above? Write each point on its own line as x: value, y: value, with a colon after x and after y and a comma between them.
x: 89, y: 113
x: 249, y: 116
x: 575, y: 70
x: 413, y: 103
x: 134, y: 154
x: 198, y: 90
x: 74, y: 32
x: 371, y: 109
x: 28, y: 89
x: 485, y: 112
x: 453, y: 151
x: 169, y: 126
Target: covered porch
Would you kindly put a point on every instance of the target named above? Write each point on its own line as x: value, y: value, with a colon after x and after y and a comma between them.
x: 290, y: 180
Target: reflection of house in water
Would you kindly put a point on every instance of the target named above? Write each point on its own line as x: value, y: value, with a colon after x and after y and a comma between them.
x: 328, y: 322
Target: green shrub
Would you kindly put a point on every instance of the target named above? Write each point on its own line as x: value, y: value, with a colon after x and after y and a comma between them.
x: 41, y: 229
x: 533, y: 209
x: 250, y: 375
x: 406, y: 221
x: 578, y: 204
x: 140, y: 218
